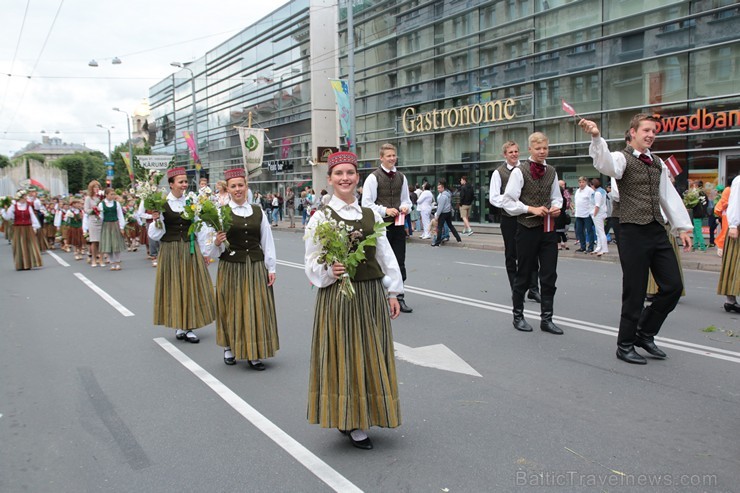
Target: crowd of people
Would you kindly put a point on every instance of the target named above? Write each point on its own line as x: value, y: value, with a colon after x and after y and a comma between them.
x: 352, y: 377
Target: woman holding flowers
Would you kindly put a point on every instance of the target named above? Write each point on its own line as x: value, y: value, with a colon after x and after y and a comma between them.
x: 26, y: 251
x: 94, y: 222
x: 246, y: 324
x: 111, y: 233
x: 352, y: 381
x: 183, y: 291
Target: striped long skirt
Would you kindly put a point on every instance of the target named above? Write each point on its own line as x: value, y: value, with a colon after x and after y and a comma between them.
x: 652, y: 287
x: 352, y: 381
x: 729, y: 274
x: 26, y: 248
x: 246, y: 320
x: 183, y: 291
x: 111, y: 240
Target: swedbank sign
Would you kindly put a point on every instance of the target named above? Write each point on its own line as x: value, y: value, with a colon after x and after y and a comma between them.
x: 461, y: 116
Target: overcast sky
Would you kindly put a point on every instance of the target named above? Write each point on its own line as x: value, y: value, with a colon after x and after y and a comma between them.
x: 65, y: 95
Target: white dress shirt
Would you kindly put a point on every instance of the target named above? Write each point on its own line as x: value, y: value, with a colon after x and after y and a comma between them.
x: 9, y: 214
x: 614, y: 163
x: 733, y: 204
x: 204, y: 236
x: 266, y: 241
x: 600, y: 202
x: 582, y: 201
x: 425, y: 200
x: 370, y: 193
x: 513, y: 191
x: 495, y: 197
x: 322, y: 277
x: 119, y: 211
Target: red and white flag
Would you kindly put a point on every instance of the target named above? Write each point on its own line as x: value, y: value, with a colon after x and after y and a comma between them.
x: 549, y: 224
x: 568, y: 108
x: 673, y: 166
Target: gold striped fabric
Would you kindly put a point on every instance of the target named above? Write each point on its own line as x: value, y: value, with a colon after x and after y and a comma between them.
x: 183, y: 291
x: 41, y: 240
x: 652, y: 287
x: 729, y: 274
x: 352, y: 382
x: 245, y: 307
x: 25, y: 248
x: 111, y: 240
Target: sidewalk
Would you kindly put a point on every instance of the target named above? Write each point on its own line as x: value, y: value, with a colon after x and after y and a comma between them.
x: 488, y: 237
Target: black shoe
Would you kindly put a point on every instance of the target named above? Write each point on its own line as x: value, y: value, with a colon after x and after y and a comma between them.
x: 521, y: 324
x: 435, y: 244
x: 580, y: 250
x: 548, y: 326
x: 732, y: 307
x: 365, y: 444
x: 404, y: 307
x: 631, y: 356
x: 258, y: 365
x: 229, y: 361
x: 650, y: 347
x: 191, y: 337
x: 181, y: 335
x: 534, y: 295
x: 650, y: 298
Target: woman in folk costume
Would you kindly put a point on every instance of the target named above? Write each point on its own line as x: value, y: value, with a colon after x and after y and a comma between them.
x: 246, y: 325
x: 352, y: 382
x: 183, y: 291
x: 729, y: 275
x: 26, y: 251
x: 111, y: 233
x: 94, y: 221
x: 73, y: 218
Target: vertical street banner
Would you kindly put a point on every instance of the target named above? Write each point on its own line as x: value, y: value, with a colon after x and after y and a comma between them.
x: 193, y: 151
x: 252, y: 140
x: 341, y: 92
x: 129, y: 166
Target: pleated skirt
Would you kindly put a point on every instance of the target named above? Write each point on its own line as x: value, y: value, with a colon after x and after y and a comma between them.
x: 352, y: 380
x: 26, y: 251
x: 245, y: 307
x: 74, y: 236
x: 729, y: 274
x: 9, y: 230
x: 43, y: 245
x: 652, y: 287
x: 111, y: 240
x: 183, y: 291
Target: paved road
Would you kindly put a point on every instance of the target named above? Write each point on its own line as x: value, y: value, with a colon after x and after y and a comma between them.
x: 91, y: 400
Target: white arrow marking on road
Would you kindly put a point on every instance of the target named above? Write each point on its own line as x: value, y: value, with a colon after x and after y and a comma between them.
x: 436, y: 356
x: 58, y: 258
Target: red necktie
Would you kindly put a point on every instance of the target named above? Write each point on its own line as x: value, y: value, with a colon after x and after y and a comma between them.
x: 390, y: 174
x: 645, y: 159
x: 537, y: 170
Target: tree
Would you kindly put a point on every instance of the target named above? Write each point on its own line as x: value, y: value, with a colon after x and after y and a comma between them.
x: 121, y: 177
x: 82, y: 168
x: 4, y: 161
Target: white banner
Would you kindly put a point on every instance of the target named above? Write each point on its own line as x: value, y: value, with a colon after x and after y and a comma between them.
x: 252, y: 140
x: 154, y: 161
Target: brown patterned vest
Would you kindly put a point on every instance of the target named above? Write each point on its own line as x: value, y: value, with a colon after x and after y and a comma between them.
x: 639, y: 191
x: 244, y: 238
x: 369, y: 269
x: 505, y: 174
x: 389, y: 189
x: 176, y: 228
x: 535, y: 193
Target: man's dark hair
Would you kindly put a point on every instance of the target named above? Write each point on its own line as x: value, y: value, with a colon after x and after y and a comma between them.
x: 442, y: 182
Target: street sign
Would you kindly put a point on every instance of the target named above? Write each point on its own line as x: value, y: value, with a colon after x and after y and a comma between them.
x: 109, y: 163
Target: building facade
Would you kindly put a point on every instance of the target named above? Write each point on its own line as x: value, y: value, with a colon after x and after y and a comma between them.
x: 449, y: 81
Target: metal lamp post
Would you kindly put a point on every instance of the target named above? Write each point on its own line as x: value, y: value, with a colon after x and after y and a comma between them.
x: 130, y: 143
x: 194, y: 116
x: 110, y: 155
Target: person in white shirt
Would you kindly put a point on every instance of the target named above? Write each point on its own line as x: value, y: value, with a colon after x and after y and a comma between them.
x: 111, y: 233
x: 424, y: 204
x: 644, y: 190
x: 352, y: 378
x: 246, y: 324
x: 729, y: 278
x: 583, y: 204
x: 598, y: 216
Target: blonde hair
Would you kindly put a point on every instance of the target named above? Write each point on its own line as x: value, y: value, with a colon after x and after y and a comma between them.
x: 221, y: 185
x: 537, y: 137
x: 387, y: 147
x: 507, y: 144
x: 90, y: 187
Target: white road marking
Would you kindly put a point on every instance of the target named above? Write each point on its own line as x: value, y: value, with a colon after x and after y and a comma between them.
x: 58, y: 258
x: 111, y: 301
x: 315, y: 465
x: 436, y: 356
x: 482, y: 265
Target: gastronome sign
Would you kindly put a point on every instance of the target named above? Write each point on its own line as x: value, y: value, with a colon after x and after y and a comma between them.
x: 461, y: 116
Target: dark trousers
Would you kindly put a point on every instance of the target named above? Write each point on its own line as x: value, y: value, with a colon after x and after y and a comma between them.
x: 643, y: 249
x: 612, y: 223
x: 397, y: 238
x: 446, y: 218
x: 535, y: 248
x: 585, y: 233
x: 712, y: 223
x: 509, y: 225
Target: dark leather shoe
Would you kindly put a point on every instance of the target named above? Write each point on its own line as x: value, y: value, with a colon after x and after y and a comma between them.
x: 181, y: 335
x: 631, y: 356
x: 534, y: 295
x: 435, y: 244
x: 191, y: 337
x: 258, y: 365
x: 229, y: 361
x: 650, y: 347
x: 732, y: 307
x: 521, y: 324
x: 404, y: 307
x: 548, y: 326
x: 365, y: 444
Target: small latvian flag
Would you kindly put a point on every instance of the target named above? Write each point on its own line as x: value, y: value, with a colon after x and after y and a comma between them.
x: 673, y: 166
x: 568, y: 108
x: 549, y: 224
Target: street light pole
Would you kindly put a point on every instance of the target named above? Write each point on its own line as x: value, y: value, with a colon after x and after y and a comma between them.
x: 194, y: 116
x: 130, y: 143
x: 110, y: 156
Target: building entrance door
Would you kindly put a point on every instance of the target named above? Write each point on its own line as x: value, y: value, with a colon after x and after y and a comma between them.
x: 729, y: 164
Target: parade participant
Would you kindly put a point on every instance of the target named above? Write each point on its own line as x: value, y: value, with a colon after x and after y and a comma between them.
x: 352, y: 382
x: 246, y: 324
x: 114, y: 225
x: 222, y: 193
x: 73, y: 218
x: 183, y: 291
x: 94, y: 222
x: 386, y: 192
x: 26, y: 252
x: 509, y: 223
x: 35, y: 202
x: 533, y: 195
x: 729, y: 277
x: 644, y: 188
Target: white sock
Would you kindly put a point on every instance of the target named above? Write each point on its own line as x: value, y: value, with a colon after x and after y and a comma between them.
x: 179, y: 332
x: 228, y: 353
x: 358, y: 435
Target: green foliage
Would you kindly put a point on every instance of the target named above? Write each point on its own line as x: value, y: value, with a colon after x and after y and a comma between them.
x: 711, y: 328
x: 121, y: 177
x: 4, y: 161
x: 82, y: 168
